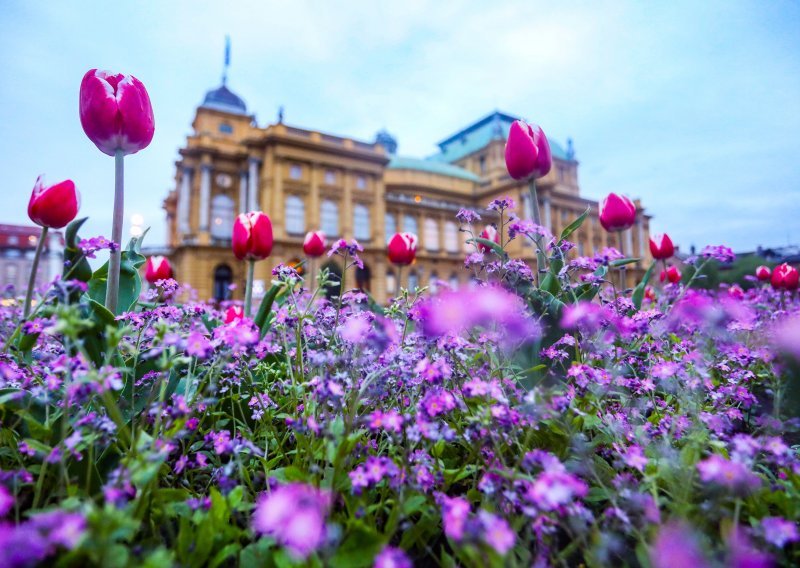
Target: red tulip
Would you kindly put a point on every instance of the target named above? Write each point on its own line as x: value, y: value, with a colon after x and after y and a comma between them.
x: 490, y: 234
x: 661, y: 247
x: 402, y: 248
x: 252, y: 236
x: 763, y: 273
x: 115, y: 112
x: 157, y: 268
x: 527, y: 151
x: 314, y: 244
x: 650, y: 294
x: 672, y: 274
x: 234, y: 313
x: 736, y: 291
x: 785, y: 276
x: 617, y: 213
x: 54, y: 206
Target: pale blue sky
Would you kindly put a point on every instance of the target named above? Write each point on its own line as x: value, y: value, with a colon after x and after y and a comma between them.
x: 692, y: 106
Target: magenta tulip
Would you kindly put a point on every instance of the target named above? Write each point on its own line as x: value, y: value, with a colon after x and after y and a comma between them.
x: 490, y: 234
x: 234, y: 313
x: 53, y: 206
x: 617, y: 213
x: 115, y: 112
x: 672, y: 274
x: 252, y: 236
x: 314, y: 244
x: 402, y: 249
x: 763, y: 273
x: 785, y: 277
x: 661, y: 247
x: 157, y: 268
x: 527, y: 151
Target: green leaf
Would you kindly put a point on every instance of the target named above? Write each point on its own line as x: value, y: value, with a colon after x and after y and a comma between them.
x: 575, y: 225
x: 496, y: 248
x: 359, y: 547
x: 623, y: 262
x: 266, y: 305
x: 638, y: 292
x: 82, y: 270
x: 130, y: 283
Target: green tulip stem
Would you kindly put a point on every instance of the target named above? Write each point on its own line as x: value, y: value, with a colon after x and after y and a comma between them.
x: 541, y: 261
x: 34, y: 269
x: 622, y: 268
x: 112, y: 285
x: 248, y: 290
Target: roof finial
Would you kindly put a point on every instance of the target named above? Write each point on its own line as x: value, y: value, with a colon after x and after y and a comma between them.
x: 280, y: 114
x: 570, y: 149
x: 227, y: 60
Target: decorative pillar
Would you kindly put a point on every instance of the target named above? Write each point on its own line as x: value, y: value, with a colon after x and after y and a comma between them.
x: 629, y: 242
x: 243, y: 191
x: 379, y: 223
x: 547, y: 213
x: 184, y: 201
x: 253, y: 185
x: 640, y: 234
x: 205, y: 196
x: 314, y: 202
x: 346, y: 213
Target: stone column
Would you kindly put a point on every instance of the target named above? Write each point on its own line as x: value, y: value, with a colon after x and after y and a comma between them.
x: 184, y: 201
x: 379, y: 223
x: 640, y: 236
x: 205, y: 196
x: 253, y: 200
x: 629, y: 243
x: 314, y: 202
x: 243, y: 191
x: 278, y: 208
x: 346, y: 212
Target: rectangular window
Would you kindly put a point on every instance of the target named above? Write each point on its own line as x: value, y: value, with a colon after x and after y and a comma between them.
x: 389, y: 226
x: 361, y: 228
x: 330, y: 177
x: 296, y: 171
x: 361, y: 182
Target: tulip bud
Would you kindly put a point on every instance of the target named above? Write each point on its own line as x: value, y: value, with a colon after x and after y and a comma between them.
x: 115, y: 112
x: 252, y: 236
x: 763, y: 273
x: 53, y: 206
x: 672, y: 274
x: 785, y: 276
x: 661, y: 247
x: 617, y: 213
x: 402, y: 249
x: 490, y: 234
x: 736, y: 292
x: 234, y: 313
x: 157, y: 268
x: 527, y: 151
x: 314, y: 245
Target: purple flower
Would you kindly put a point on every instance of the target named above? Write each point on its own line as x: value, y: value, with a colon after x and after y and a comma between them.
x: 455, y: 512
x: 674, y: 546
x: 528, y: 229
x: 732, y: 474
x: 718, y: 252
x: 501, y: 204
x: 468, y: 216
x: 197, y: 345
x: 294, y: 515
x: 6, y: 501
x: 90, y: 246
x: 496, y: 532
x: 391, y: 557
x: 779, y: 531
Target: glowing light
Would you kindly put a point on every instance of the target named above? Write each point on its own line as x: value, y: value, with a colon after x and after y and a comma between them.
x: 417, y: 198
x: 137, y: 219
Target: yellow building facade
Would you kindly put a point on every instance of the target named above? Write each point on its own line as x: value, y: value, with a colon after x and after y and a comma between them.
x: 309, y: 180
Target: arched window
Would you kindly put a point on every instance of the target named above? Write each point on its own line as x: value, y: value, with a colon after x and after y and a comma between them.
x: 222, y: 216
x: 413, y: 281
x: 223, y: 278
x: 361, y: 228
x: 433, y: 282
x: 431, y: 234
x: 330, y: 218
x: 450, y: 237
x: 454, y: 280
x: 389, y: 227
x: 410, y: 224
x: 391, y: 282
x: 295, y: 215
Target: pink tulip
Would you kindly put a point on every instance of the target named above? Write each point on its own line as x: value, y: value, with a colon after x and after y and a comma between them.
x: 115, y: 112
x: 53, y: 206
x: 234, y: 313
x: 527, y: 151
x: 661, y: 247
x: 617, y: 213
x: 252, y: 236
x: 763, y: 273
x: 785, y: 276
x: 672, y: 274
x: 402, y: 249
x: 157, y: 268
x: 314, y: 244
x: 490, y: 234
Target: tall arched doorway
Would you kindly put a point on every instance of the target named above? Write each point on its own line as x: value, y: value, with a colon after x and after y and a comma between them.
x: 223, y: 278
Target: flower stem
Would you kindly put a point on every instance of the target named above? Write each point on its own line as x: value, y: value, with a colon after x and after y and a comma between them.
x: 248, y: 290
x: 34, y: 269
x: 537, y: 219
x: 623, y: 267
x: 112, y: 288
